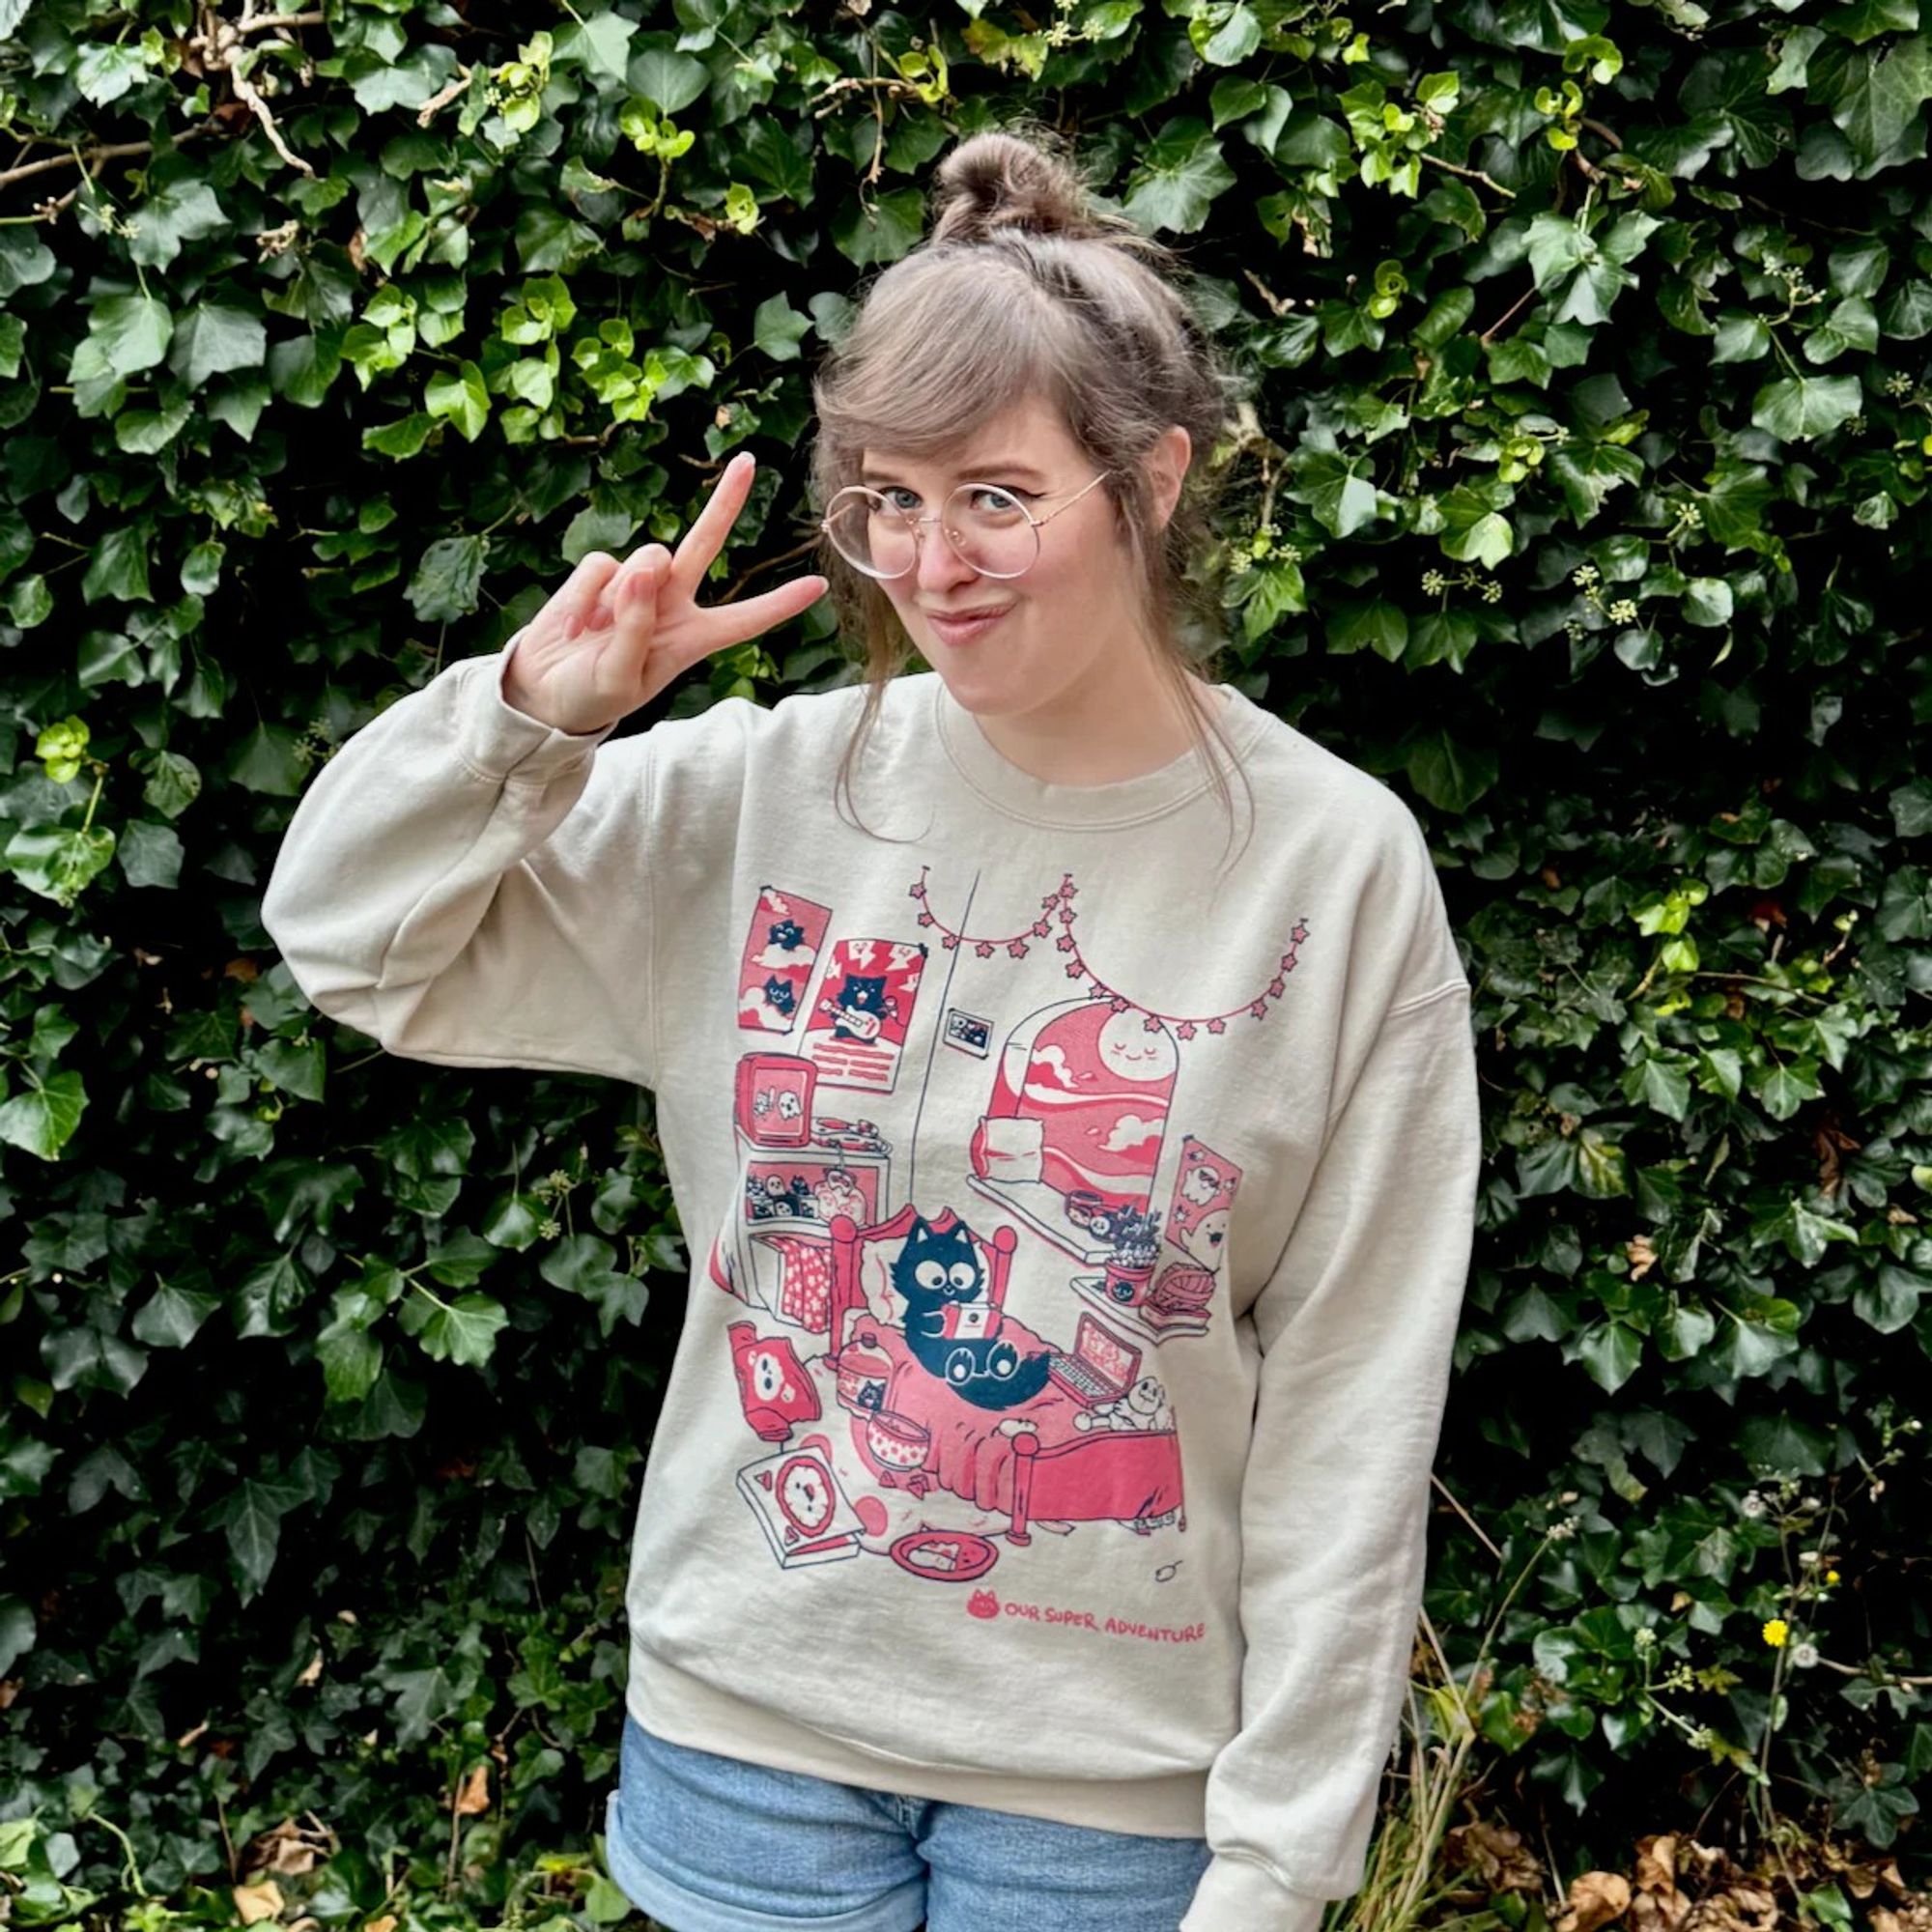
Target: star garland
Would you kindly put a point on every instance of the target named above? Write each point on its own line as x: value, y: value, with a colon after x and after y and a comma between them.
x: 1058, y: 905
x: 1015, y: 943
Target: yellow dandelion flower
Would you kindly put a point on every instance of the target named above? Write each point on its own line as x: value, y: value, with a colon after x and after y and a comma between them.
x: 1776, y: 1632
x: 1830, y: 1576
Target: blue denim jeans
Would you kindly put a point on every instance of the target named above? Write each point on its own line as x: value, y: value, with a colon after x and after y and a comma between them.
x: 704, y: 1843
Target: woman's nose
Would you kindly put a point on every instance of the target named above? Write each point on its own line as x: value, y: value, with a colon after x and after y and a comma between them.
x: 940, y: 565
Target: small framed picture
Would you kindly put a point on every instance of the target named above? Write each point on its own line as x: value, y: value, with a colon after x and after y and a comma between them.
x: 968, y: 1032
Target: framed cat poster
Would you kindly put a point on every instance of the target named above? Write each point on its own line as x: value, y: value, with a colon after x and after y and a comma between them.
x: 855, y: 1033
x: 776, y: 962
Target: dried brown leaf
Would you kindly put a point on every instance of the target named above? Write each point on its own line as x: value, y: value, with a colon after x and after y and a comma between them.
x: 258, y: 1901
x: 1494, y: 1857
x: 1596, y: 1898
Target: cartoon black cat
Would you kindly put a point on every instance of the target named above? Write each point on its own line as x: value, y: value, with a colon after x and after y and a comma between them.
x: 781, y: 995
x: 862, y: 1003
x: 786, y: 934
x: 938, y: 1273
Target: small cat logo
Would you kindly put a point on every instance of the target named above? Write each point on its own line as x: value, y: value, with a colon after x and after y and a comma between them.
x: 983, y: 1603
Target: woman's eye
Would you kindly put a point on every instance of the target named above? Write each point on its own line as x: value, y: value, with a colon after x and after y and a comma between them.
x: 988, y: 496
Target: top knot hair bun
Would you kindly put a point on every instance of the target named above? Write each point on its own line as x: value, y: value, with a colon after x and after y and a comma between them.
x: 995, y: 181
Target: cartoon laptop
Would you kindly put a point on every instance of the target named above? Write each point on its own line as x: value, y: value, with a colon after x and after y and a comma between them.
x: 1101, y: 1367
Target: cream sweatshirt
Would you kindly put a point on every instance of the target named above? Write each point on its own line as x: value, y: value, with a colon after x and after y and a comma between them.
x: 1077, y: 1228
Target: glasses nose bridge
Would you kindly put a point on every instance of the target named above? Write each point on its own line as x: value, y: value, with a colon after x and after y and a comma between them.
x: 918, y: 525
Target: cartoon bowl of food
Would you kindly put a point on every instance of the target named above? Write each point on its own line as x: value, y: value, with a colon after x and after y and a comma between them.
x: 894, y: 1441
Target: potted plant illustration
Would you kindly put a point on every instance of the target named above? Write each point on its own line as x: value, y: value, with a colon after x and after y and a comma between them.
x: 1130, y: 1264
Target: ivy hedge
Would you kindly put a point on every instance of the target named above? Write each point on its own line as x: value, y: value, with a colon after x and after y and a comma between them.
x: 1581, y: 502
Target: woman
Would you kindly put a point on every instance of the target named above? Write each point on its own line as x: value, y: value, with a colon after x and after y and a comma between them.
x: 1033, y: 1530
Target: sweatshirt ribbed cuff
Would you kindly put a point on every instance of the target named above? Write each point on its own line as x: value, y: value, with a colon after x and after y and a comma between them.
x: 498, y: 741
x: 1235, y: 1891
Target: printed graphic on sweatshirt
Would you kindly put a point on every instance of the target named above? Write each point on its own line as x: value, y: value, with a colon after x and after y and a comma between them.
x: 1073, y: 1123
x: 1175, y: 1294
x: 857, y: 1026
x: 775, y: 966
x: 800, y: 1168
x: 897, y: 1404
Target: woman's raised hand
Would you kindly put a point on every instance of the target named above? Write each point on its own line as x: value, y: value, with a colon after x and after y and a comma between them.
x: 616, y: 634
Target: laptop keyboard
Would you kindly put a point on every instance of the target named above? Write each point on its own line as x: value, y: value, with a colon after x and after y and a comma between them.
x: 1076, y: 1372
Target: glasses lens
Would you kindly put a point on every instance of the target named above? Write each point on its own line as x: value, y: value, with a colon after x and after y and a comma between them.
x: 986, y: 526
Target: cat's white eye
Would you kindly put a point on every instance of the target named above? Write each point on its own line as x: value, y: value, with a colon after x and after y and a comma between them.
x: 930, y: 1275
x: 964, y: 1274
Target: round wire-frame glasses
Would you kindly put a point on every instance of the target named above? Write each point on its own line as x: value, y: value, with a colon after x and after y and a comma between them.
x: 916, y: 526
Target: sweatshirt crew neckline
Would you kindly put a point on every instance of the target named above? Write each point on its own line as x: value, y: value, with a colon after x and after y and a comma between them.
x: 1003, y: 785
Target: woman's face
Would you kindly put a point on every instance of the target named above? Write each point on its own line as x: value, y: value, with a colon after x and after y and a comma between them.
x: 1070, y: 619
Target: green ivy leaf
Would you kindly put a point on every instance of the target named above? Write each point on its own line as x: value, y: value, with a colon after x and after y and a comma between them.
x: 1450, y: 774
x: 252, y: 1515
x: 880, y: 229
x: 1879, y: 94
x: 184, y: 210
x: 1178, y: 177
x: 1778, y: 1444
x: 1848, y: 325
x: 1373, y: 623
x: 462, y: 1331
x: 1801, y: 407
x: 104, y: 71
x: 42, y: 1121
x: 1327, y: 483
x: 129, y: 333
x: 1888, y: 1300
x: 671, y: 81
x: 149, y: 854
x: 778, y: 329
x: 58, y: 862
x: 173, y: 1315
x: 1230, y: 43
x: 460, y: 395
x: 1610, y: 1350
x: 268, y: 760
x: 448, y: 581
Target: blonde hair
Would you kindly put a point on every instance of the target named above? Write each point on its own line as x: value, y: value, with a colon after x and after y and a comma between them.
x: 1024, y: 288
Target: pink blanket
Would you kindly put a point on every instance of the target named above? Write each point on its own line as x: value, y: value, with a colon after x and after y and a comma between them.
x: 1122, y: 1473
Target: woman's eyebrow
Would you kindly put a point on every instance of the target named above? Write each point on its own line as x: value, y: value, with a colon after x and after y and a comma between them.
x: 971, y: 472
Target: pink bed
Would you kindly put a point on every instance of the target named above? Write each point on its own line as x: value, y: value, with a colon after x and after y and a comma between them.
x: 1050, y: 1470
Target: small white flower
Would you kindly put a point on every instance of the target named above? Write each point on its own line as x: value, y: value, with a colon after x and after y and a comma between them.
x: 1752, y: 1504
x: 1805, y: 1655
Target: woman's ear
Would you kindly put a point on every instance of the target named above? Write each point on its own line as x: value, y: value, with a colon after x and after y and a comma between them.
x: 1166, y: 468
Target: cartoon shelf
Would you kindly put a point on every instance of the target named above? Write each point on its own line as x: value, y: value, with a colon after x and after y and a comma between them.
x: 797, y: 1168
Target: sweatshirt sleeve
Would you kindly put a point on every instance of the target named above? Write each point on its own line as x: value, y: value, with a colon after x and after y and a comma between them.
x: 1355, y: 1326
x: 468, y: 885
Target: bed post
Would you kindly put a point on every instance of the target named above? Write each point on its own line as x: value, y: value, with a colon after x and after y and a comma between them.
x: 1026, y: 1446
x: 846, y: 1289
